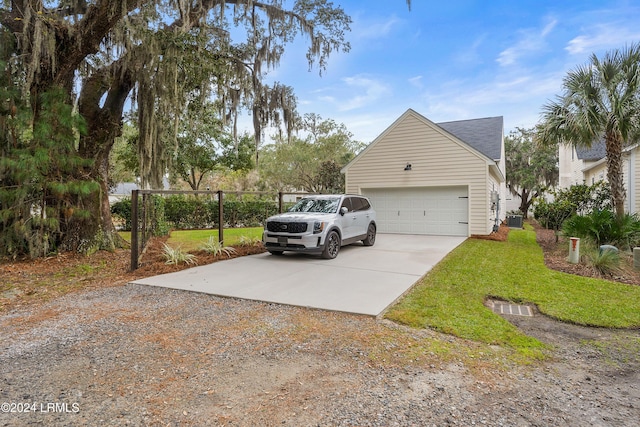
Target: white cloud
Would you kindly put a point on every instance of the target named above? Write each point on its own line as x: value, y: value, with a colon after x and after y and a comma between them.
x: 549, y: 27
x: 326, y: 98
x: 416, y: 81
x: 375, y: 30
x: 470, y: 54
x: 367, y: 91
x: 602, y: 37
x: 531, y: 41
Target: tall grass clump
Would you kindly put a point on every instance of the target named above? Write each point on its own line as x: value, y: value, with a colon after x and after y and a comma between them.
x: 216, y: 248
x: 249, y: 240
x: 178, y: 256
x: 606, y: 262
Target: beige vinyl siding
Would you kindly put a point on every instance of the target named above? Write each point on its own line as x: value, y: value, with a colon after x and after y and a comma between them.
x: 436, y: 160
x: 634, y: 178
x: 570, y: 167
x: 596, y: 174
x: 630, y: 174
x: 631, y: 180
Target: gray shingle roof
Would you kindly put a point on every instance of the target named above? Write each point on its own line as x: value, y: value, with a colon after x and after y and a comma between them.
x: 596, y: 152
x: 124, y: 188
x: 485, y: 135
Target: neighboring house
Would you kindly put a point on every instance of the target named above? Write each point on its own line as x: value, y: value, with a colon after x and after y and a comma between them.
x: 588, y: 166
x: 121, y: 191
x: 427, y: 178
x: 574, y: 162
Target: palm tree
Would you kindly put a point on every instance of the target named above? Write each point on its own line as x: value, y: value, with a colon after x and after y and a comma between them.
x: 601, y: 101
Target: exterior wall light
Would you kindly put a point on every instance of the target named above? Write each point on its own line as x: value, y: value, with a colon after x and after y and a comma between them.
x: 408, y: 167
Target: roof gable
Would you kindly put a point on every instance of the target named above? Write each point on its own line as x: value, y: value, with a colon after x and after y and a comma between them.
x: 481, y: 136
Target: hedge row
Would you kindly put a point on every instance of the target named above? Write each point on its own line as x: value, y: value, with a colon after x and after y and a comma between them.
x: 183, y: 212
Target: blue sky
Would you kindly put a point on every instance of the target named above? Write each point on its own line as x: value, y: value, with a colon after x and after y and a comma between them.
x: 456, y: 59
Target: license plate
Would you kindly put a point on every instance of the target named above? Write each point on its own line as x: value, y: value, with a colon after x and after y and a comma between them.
x: 282, y: 241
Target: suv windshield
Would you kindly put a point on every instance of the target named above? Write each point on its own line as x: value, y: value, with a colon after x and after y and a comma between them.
x: 324, y: 205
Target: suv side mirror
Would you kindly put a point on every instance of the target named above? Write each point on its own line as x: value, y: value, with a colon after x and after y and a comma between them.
x: 344, y: 210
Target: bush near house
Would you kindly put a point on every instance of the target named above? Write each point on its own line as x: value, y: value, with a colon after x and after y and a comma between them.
x: 577, y: 199
x: 121, y: 212
x: 601, y: 227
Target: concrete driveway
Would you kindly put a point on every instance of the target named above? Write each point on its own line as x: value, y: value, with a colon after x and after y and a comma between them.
x: 362, y: 280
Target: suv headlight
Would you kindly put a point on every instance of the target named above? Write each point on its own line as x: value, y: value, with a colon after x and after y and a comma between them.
x: 318, y: 227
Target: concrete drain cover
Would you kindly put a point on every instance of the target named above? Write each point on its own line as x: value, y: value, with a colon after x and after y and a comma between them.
x: 502, y: 307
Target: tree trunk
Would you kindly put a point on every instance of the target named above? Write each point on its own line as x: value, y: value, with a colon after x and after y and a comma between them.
x: 614, y: 173
x: 104, y: 124
x: 525, y: 202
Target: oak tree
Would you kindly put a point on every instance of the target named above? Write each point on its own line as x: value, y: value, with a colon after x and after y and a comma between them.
x: 102, y: 56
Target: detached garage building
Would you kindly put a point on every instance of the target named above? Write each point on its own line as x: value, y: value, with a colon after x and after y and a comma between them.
x: 427, y: 178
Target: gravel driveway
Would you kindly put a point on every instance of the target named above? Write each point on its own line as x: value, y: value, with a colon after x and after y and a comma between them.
x: 138, y: 355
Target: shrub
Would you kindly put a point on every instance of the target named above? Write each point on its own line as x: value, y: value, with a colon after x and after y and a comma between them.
x: 602, y: 227
x: 552, y: 215
x: 121, y: 210
x: 178, y: 256
x: 214, y: 247
x: 606, y: 262
x: 185, y: 212
x: 157, y: 220
x: 249, y: 241
x: 577, y: 199
x: 248, y: 211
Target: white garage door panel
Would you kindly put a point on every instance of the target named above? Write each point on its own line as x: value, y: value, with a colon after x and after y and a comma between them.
x: 437, y: 211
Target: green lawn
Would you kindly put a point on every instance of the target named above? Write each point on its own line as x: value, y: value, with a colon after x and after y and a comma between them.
x: 190, y: 240
x: 450, y: 298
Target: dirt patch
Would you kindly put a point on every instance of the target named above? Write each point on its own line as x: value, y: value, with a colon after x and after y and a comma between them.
x: 33, y: 281
x: 84, y: 348
x: 153, y: 262
x: 500, y: 235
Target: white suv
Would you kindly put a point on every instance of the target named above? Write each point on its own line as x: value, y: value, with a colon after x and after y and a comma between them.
x: 321, y: 224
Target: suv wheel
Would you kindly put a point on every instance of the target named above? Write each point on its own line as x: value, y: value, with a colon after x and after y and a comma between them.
x: 332, y: 246
x: 371, y: 236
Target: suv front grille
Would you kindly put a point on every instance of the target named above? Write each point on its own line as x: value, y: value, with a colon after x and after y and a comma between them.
x: 286, y: 227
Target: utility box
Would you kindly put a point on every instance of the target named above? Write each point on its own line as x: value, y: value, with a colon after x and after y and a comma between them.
x: 574, y: 250
x: 514, y: 221
x: 607, y: 248
x: 636, y: 258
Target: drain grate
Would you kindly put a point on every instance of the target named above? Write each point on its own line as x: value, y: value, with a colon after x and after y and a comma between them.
x: 501, y: 307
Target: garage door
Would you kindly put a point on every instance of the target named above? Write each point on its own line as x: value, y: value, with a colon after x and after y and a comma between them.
x: 426, y: 210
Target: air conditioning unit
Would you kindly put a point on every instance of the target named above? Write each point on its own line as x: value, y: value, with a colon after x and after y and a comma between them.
x: 514, y: 221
